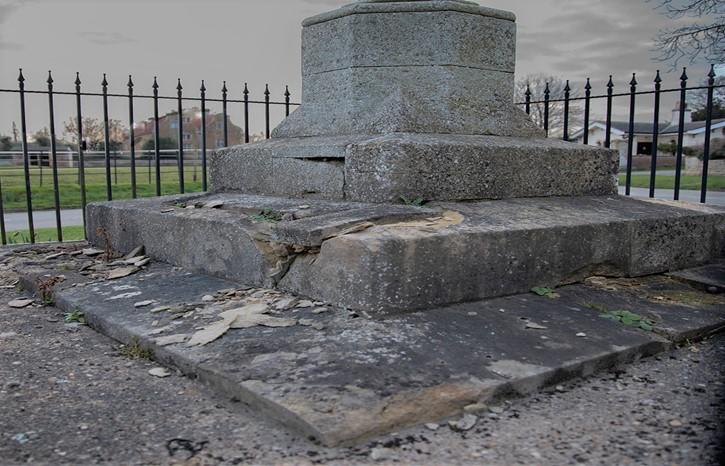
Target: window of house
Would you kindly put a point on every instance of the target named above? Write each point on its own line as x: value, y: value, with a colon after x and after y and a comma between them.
x: 220, y: 142
x: 187, y: 136
x: 187, y: 119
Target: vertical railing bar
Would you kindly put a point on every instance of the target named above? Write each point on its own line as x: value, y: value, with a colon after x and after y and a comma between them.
x: 547, y: 96
x: 203, y: 137
x: 655, y: 135
x: 708, y: 129
x: 630, y: 141
x: 286, y: 101
x: 528, y: 98
x: 3, y: 233
x: 81, y: 155
x: 680, y: 133
x: 157, y: 149
x: 106, y: 139
x: 246, y: 113
x: 224, y: 112
x: 26, y: 157
x: 567, y: 94
x: 180, y: 132
x: 587, y: 109
x: 267, y: 130
x: 54, y: 162
x: 131, y: 141
x: 608, y: 136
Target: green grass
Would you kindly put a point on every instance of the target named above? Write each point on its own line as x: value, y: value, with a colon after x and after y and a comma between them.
x: 714, y: 183
x: 13, y: 186
x: 42, y: 235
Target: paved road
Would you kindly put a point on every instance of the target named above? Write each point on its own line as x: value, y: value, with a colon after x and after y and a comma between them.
x: 713, y: 197
x: 43, y: 219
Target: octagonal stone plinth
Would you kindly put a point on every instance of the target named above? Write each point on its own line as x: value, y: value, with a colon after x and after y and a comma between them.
x: 417, y: 66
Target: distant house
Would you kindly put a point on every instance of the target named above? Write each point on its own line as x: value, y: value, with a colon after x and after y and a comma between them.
x: 191, y: 123
x: 694, y: 134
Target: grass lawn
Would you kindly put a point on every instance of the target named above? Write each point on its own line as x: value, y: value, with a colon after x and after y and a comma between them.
x: 13, y: 186
x: 43, y: 235
x: 714, y: 183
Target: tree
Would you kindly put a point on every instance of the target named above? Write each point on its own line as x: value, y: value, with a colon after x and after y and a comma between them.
x: 697, y: 101
x: 93, y: 133
x: 537, y: 84
x: 6, y: 143
x: 164, y: 144
x: 692, y: 39
x: 42, y: 137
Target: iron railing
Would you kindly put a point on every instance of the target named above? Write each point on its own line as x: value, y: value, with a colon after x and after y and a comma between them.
x: 159, y: 165
x: 80, y: 157
x: 633, y: 95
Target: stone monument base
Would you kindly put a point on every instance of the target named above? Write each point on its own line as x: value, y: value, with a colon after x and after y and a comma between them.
x: 384, y: 258
x: 386, y: 168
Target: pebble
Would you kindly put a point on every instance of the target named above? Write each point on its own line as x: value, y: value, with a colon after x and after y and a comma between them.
x: 432, y: 426
x: 148, y: 302
x: 8, y: 335
x: 160, y: 372
x: 675, y: 423
x: 581, y: 335
x: 467, y: 422
x: 20, y: 303
x: 207, y: 298
x: 474, y: 408
x: 380, y: 454
x: 305, y: 304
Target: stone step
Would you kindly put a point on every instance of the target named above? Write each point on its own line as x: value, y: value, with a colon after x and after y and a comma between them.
x: 383, y: 258
x: 337, y: 377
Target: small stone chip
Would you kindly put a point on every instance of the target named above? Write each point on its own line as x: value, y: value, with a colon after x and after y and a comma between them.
x: 581, y: 335
x: 92, y: 252
x: 20, y: 303
x: 475, y: 408
x: 467, y: 422
x: 535, y: 326
x: 158, y: 309
x: 216, y: 204
x: 432, y: 426
x: 305, y: 304
x: 171, y: 340
x: 207, y: 298
x: 122, y: 272
x: 675, y: 423
x: 148, y: 302
x: 160, y: 372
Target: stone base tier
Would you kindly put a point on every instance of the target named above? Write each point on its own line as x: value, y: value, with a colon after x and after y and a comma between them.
x: 442, y: 167
x: 390, y: 258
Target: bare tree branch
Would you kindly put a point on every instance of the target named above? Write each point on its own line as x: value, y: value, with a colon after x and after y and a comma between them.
x: 695, y: 40
x: 537, y: 84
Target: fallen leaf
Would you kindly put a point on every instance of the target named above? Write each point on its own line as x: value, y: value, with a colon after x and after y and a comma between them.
x: 20, y: 303
x: 122, y: 272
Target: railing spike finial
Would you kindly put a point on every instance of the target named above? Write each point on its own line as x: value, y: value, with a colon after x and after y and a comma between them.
x: 286, y: 91
x: 633, y: 82
x: 156, y: 84
x: 567, y: 88
x: 203, y: 86
x: 50, y: 77
x: 658, y: 78
x: 610, y: 84
x: 588, y: 85
x: 130, y: 82
x: 684, y: 74
x: 179, y: 87
x: 78, y: 79
x: 528, y: 89
x: 21, y: 78
x: 246, y: 89
x: 712, y: 73
x: 104, y: 83
x: 266, y: 89
x: 224, y: 87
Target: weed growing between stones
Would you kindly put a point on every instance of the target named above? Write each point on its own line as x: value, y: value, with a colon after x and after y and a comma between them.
x: 75, y: 317
x: 267, y: 215
x: 134, y: 350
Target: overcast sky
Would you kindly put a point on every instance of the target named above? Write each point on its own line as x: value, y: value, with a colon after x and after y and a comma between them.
x: 258, y: 41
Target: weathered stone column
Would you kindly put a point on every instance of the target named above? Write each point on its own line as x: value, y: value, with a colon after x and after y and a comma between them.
x: 415, y: 99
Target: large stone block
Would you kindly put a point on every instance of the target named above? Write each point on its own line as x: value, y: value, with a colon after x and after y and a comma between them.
x: 419, y: 66
x: 435, y: 167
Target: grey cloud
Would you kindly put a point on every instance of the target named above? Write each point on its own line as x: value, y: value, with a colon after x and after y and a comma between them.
x: 106, y: 38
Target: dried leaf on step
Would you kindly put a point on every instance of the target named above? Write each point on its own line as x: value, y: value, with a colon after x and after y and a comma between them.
x: 210, y: 333
x: 122, y: 272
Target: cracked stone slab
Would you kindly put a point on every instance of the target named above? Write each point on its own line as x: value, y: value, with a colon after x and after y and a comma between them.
x: 352, y: 377
x: 392, y: 258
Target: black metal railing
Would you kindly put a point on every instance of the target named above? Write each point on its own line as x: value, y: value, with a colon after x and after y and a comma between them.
x: 162, y: 170
x: 159, y: 156
x: 632, y: 95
